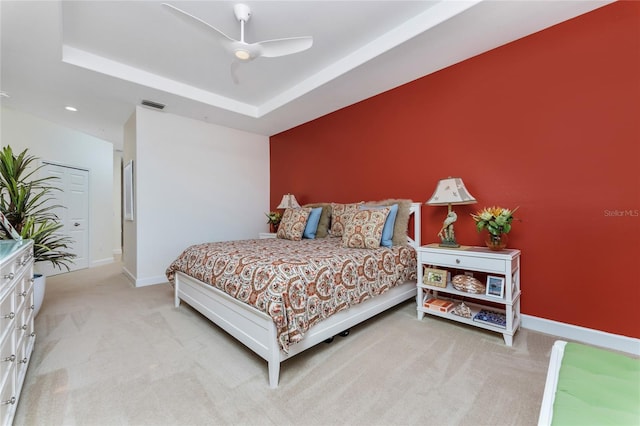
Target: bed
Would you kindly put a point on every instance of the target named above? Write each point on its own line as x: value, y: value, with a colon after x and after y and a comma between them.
x: 587, y: 385
x: 274, y: 295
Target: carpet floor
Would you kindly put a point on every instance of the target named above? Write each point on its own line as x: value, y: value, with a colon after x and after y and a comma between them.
x: 107, y: 353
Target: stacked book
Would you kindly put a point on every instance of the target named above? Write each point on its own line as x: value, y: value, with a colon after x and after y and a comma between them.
x: 497, y: 319
x: 439, y: 305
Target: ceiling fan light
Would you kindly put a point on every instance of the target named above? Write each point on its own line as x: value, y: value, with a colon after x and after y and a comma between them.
x: 242, y: 54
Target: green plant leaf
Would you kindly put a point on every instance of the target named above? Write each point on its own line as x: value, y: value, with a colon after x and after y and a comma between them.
x: 28, y: 204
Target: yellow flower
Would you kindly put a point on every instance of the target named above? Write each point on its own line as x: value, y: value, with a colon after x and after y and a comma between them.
x: 273, y: 218
x: 496, y: 220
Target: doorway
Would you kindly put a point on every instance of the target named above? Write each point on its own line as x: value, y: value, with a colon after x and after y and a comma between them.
x: 74, y: 196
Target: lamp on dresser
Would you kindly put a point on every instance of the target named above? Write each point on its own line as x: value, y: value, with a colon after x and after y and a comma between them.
x: 288, y: 202
x: 450, y: 191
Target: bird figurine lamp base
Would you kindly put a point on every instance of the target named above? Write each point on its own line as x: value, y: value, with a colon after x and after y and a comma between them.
x: 446, y: 234
x: 449, y: 244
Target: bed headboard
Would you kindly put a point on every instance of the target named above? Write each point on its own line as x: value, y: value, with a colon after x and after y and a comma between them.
x: 417, y: 221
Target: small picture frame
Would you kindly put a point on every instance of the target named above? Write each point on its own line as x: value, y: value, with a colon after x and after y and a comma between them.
x: 128, y: 191
x: 435, y: 277
x: 495, y: 286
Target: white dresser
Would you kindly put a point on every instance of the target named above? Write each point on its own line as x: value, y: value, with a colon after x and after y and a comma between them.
x: 17, y: 334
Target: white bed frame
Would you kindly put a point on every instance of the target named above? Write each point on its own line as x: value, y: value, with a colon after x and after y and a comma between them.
x: 549, y: 396
x: 256, y: 329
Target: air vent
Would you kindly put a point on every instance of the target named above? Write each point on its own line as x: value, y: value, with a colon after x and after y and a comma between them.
x: 152, y: 104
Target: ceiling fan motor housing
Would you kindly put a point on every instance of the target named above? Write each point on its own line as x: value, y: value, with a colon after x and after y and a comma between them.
x: 242, y: 12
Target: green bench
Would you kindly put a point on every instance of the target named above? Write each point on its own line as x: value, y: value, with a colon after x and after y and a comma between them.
x: 590, y: 386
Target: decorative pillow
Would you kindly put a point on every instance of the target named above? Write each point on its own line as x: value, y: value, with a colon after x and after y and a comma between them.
x: 293, y: 223
x: 325, y: 218
x: 402, y: 219
x: 312, y: 223
x: 340, y: 215
x: 364, y: 230
x: 387, y: 231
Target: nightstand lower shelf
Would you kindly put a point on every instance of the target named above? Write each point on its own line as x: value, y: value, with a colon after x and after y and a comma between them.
x: 475, y: 308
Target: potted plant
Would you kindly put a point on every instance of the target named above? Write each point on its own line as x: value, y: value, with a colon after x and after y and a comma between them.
x: 273, y: 219
x: 28, y: 204
x: 497, y: 221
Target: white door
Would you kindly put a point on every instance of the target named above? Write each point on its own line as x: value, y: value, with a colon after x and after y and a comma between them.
x: 74, y: 196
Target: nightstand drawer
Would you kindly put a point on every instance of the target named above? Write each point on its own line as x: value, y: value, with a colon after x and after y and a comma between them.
x: 464, y: 262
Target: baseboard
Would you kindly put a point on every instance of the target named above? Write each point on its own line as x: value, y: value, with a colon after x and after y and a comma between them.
x: 161, y: 279
x: 142, y: 282
x: 129, y: 275
x: 581, y: 334
x: 101, y: 262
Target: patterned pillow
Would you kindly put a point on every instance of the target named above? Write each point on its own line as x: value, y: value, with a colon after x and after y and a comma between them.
x: 340, y: 215
x: 387, y: 231
x: 293, y: 223
x: 402, y: 219
x: 364, y: 230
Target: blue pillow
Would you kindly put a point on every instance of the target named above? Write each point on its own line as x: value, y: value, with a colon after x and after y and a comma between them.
x: 387, y: 231
x: 312, y: 223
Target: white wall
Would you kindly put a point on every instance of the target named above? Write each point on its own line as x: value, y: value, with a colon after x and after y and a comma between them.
x: 61, y: 145
x: 194, y: 182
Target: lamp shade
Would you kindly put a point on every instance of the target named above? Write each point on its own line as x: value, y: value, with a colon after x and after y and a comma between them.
x: 451, y: 191
x: 288, y: 201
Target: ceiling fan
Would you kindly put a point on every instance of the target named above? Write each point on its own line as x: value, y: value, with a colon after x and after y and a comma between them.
x: 243, y: 51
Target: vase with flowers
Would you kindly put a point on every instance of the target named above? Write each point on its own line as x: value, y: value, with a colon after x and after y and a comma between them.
x: 273, y: 219
x: 497, y: 221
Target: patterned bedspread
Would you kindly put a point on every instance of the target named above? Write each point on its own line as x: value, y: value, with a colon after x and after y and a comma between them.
x: 297, y: 283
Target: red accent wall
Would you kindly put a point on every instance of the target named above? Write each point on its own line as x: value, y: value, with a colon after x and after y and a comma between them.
x: 550, y: 123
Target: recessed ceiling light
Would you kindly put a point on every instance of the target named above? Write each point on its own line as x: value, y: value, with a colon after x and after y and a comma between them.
x: 4, y: 95
x: 70, y: 108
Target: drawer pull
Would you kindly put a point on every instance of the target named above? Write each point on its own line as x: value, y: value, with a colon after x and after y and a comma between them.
x: 23, y: 360
x: 9, y: 401
x: 10, y: 358
x: 24, y: 326
x: 11, y: 315
x: 458, y: 261
x: 33, y: 334
x: 24, y: 262
x: 33, y: 280
x: 8, y: 276
x: 33, y: 307
x: 24, y: 293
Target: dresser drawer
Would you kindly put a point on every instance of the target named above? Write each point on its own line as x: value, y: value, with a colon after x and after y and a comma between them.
x: 22, y: 352
x: 21, y: 263
x: 23, y: 294
x: 465, y: 261
x: 24, y: 321
x: 7, y: 273
x: 7, y: 356
x: 7, y: 314
x: 8, y: 399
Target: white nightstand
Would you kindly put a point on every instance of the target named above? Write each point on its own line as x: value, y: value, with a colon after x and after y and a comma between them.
x: 265, y: 235
x: 480, y: 261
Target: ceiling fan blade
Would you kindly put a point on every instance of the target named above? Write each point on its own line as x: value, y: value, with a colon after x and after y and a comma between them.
x: 284, y: 46
x: 199, y: 23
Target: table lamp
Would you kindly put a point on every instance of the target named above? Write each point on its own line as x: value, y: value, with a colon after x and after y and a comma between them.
x: 450, y: 191
x: 288, y: 201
